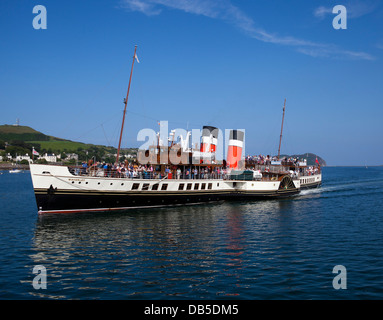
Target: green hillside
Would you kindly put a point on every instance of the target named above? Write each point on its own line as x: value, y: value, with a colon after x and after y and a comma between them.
x: 21, y: 139
x: 23, y: 133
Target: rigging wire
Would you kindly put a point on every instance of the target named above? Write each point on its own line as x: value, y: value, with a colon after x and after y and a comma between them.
x: 144, y: 115
x: 102, y: 126
x: 87, y: 108
x: 96, y: 127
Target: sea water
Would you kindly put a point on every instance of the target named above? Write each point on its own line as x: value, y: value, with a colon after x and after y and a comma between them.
x: 273, y: 249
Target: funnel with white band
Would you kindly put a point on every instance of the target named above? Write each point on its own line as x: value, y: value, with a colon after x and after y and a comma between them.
x: 209, y: 139
x: 234, y: 151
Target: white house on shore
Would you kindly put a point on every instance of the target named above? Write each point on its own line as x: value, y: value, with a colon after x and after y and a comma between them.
x: 70, y: 156
x: 6, y: 158
x: 26, y: 157
x: 50, y: 157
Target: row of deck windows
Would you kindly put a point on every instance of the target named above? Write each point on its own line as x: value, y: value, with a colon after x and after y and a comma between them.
x: 181, y: 186
x: 308, y: 180
x: 164, y: 186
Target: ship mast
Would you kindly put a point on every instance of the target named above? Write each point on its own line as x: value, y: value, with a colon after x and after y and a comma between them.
x: 280, y: 138
x: 126, y: 103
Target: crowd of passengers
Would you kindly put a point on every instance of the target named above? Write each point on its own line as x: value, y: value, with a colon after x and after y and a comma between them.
x: 309, y: 171
x: 134, y: 170
x: 267, y: 160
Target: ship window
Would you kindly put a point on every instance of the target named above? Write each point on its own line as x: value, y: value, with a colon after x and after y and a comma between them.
x: 189, y: 186
x: 203, y: 186
x: 164, y: 186
x: 181, y: 186
x: 145, y: 186
x: 155, y: 186
x: 135, y: 186
x: 196, y: 186
x: 210, y: 186
x: 217, y: 184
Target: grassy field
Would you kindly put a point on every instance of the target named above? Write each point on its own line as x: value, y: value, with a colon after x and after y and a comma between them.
x: 22, y: 133
x: 63, y: 145
x: 11, y: 129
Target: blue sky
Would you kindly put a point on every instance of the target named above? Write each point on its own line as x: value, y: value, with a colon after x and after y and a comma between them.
x: 224, y: 63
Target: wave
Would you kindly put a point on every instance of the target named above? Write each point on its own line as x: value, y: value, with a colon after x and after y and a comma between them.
x: 348, y: 188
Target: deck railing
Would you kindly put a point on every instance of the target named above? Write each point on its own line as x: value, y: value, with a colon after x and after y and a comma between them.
x: 268, y: 173
x: 112, y: 173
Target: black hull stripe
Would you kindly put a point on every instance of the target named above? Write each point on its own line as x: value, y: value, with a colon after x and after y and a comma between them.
x: 311, y: 185
x: 78, y: 202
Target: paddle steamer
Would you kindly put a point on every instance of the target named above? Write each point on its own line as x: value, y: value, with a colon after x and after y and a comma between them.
x: 197, y: 177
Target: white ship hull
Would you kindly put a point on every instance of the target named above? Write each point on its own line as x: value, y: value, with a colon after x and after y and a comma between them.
x: 312, y: 181
x: 58, y: 190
